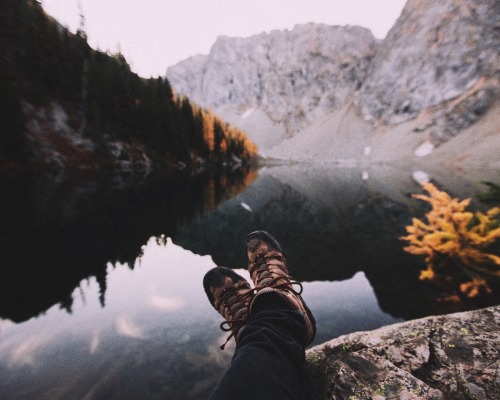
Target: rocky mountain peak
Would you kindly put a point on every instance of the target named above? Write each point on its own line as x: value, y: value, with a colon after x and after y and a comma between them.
x: 435, y: 52
x: 331, y: 89
x: 293, y: 76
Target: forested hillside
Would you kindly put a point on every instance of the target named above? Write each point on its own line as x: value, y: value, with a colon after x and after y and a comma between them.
x: 64, y: 104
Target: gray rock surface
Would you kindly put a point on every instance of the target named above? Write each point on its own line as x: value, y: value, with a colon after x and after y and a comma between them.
x: 436, y: 52
x: 453, y: 356
x: 294, y: 76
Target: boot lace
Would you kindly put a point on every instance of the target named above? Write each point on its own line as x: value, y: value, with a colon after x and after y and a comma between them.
x: 264, y: 275
x: 234, y: 306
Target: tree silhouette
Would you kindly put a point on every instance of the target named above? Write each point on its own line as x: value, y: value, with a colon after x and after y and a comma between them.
x: 42, y: 63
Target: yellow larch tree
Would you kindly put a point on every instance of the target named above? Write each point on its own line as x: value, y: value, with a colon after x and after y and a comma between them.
x: 454, y: 236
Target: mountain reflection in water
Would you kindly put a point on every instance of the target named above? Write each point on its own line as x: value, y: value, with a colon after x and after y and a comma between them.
x: 334, y: 223
x: 109, y: 285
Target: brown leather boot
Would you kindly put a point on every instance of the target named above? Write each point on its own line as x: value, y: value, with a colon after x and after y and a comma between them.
x: 230, y: 294
x: 268, y: 269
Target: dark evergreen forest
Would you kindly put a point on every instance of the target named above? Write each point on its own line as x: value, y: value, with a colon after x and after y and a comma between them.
x: 42, y: 63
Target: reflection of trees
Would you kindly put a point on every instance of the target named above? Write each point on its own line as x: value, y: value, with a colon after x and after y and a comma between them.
x: 51, y: 242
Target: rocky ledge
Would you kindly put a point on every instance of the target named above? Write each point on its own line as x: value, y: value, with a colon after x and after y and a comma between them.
x: 452, y: 356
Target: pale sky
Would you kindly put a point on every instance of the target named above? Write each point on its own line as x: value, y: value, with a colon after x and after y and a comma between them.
x: 154, y: 34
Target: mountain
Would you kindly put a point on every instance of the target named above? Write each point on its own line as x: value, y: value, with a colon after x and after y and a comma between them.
x: 284, y: 79
x: 435, y: 53
x: 337, y: 93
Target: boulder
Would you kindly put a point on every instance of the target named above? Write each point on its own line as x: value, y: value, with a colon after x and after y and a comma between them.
x: 451, y: 356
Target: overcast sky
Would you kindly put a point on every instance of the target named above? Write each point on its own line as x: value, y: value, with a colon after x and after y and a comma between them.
x: 154, y: 34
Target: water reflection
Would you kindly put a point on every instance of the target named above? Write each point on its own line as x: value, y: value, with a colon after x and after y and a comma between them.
x: 334, y: 223
x: 156, y: 329
x: 108, y: 284
x: 54, y: 236
x: 156, y: 336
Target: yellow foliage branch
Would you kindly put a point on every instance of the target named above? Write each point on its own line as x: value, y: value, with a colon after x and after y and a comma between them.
x: 452, y: 233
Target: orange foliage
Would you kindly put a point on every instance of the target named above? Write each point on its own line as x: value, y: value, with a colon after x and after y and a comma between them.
x: 454, y: 236
x: 221, y: 187
x: 208, y: 128
x: 233, y: 138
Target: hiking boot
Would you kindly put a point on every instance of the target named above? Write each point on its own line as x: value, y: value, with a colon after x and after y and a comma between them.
x: 269, y: 272
x: 230, y: 294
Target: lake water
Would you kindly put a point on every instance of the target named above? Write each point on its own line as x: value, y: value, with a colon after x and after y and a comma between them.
x: 101, y: 292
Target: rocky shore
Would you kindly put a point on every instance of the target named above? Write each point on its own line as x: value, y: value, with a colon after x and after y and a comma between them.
x: 451, y: 356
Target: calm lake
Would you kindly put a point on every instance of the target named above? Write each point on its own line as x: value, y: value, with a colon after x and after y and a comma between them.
x: 101, y: 291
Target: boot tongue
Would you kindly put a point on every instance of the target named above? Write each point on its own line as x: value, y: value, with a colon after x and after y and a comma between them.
x: 257, y: 246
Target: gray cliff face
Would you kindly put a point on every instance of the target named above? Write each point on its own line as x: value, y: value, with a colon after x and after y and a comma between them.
x: 435, y: 52
x: 294, y: 76
x: 337, y: 91
x: 445, y: 357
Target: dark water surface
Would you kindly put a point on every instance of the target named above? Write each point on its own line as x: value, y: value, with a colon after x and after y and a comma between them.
x: 101, y: 292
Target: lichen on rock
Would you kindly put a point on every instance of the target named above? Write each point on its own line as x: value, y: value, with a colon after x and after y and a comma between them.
x: 441, y: 357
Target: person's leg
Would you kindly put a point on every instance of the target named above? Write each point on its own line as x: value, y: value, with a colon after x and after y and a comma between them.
x: 269, y: 272
x: 269, y: 361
